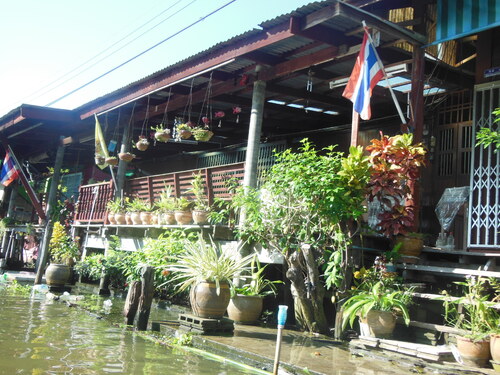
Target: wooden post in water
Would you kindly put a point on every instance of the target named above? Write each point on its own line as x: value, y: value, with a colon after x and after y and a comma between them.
x: 146, y: 298
x: 132, y: 302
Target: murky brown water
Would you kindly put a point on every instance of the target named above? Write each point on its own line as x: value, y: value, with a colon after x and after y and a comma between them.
x: 48, y: 337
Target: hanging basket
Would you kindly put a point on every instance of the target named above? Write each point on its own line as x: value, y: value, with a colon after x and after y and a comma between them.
x: 112, y: 160
x: 202, y: 135
x: 142, y: 144
x: 162, y: 135
x: 126, y: 156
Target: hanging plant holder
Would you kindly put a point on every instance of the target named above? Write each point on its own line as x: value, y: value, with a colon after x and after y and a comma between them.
x: 201, y: 134
x: 142, y: 144
x: 112, y: 160
x: 184, y: 131
x: 126, y: 156
x: 162, y: 135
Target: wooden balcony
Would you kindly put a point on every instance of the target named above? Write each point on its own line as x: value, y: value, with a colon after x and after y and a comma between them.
x: 92, y: 199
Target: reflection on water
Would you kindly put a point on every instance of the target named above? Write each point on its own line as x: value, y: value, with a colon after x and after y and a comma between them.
x: 48, y: 337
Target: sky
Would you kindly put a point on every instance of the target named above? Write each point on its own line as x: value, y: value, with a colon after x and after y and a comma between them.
x: 52, y: 47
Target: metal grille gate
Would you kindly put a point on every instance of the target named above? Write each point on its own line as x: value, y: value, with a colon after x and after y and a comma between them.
x: 484, y: 211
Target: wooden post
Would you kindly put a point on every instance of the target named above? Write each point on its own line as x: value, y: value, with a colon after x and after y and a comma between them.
x: 132, y: 302
x: 355, y: 128
x: 51, y: 202
x: 146, y: 298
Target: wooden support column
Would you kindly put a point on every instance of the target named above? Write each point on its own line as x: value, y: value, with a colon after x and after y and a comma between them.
x: 147, y: 290
x: 51, y: 203
x: 254, y: 132
x: 132, y: 302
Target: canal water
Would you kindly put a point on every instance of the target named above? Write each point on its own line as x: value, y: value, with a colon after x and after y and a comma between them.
x: 41, y: 336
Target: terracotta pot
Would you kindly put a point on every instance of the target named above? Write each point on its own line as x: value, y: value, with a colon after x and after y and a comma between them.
x: 495, y: 347
x: 128, y: 218
x: 200, y: 217
x: 168, y: 218
x: 136, y: 218
x: 183, y: 217
x: 120, y: 218
x: 146, y: 218
x: 203, y: 136
x: 111, y: 218
x: 57, y: 274
x: 474, y: 353
x: 245, y: 309
x: 381, y: 324
x: 205, y: 302
x: 155, y: 218
x: 410, y: 246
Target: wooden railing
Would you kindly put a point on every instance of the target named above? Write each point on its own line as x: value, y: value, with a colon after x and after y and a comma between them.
x: 215, y: 178
x: 92, y: 199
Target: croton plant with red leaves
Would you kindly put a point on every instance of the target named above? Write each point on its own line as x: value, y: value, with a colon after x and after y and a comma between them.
x: 396, y: 164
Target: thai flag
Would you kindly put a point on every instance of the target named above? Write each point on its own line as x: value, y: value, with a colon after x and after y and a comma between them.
x: 9, y: 171
x: 365, y: 75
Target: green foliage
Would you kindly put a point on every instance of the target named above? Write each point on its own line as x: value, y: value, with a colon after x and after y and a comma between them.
x: 62, y: 248
x: 477, y: 314
x: 206, y: 261
x: 185, y: 339
x: 378, y: 297
x: 486, y: 137
x: 258, y: 285
x: 138, y: 205
x: 15, y: 288
x: 198, y: 190
x: 183, y: 204
x: 166, y: 202
x: 305, y: 197
x: 115, y: 206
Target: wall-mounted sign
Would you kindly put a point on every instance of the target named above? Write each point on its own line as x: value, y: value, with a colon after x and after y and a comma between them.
x: 491, y: 72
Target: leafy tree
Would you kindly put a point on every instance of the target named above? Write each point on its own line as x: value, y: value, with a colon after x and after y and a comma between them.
x: 307, y: 203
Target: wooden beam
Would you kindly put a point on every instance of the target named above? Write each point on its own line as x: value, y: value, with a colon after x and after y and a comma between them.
x: 380, y: 24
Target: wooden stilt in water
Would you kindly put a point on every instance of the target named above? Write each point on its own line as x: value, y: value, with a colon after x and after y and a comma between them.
x: 146, y: 298
x: 132, y: 302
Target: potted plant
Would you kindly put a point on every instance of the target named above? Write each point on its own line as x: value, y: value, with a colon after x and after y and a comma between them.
x: 136, y: 207
x: 246, y: 301
x: 115, y: 211
x: 202, y: 133
x: 162, y: 134
x: 395, y: 167
x: 200, y: 210
x: 377, y: 301
x: 63, y: 251
x: 476, y: 318
x: 183, y: 215
x: 99, y: 159
x: 126, y: 156
x: 111, y: 160
x: 166, y: 206
x: 207, y: 270
x: 142, y: 143
x: 184, y: 131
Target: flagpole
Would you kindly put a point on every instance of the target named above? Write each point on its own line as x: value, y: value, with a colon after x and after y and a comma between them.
x: 354, y: 128
x: 396, y: 103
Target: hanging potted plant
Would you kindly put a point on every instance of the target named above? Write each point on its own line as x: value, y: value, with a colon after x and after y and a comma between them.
x: 395, y: 163
x: 126, y: 156
x: 202, y: 134
x: 161, y: 134
x: 142, y: 144
x: 200, y: 210
x: 207, y: 270
x: 99, y: 159
x: 184, y: 131
x: 111, y: 160
x: 246, y: 302
x: 63, y: 252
